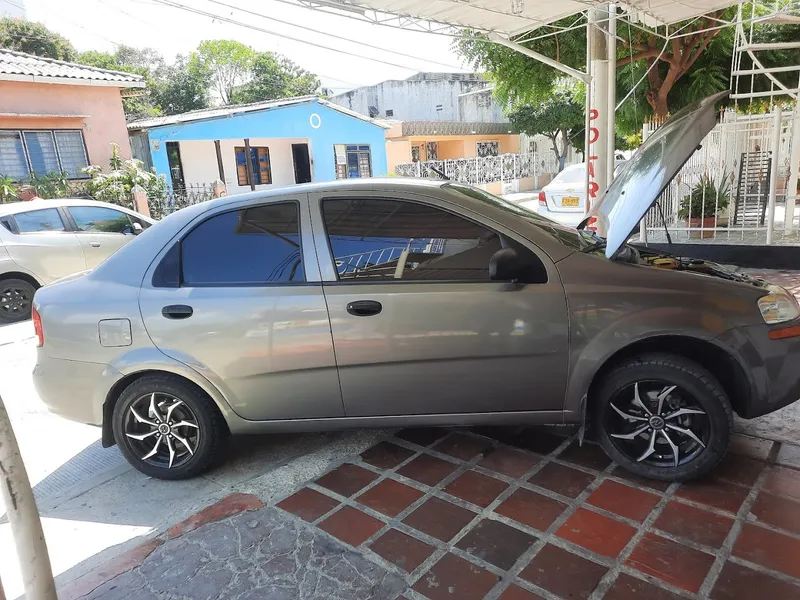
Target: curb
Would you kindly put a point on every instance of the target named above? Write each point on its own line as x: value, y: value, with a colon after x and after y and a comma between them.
x: 133, y: 558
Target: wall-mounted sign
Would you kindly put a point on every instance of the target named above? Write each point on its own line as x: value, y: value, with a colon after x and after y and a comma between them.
x: 314, y: 120
x: 156, y: 145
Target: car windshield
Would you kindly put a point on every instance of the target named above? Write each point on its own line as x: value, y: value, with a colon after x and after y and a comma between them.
x: 569, y: 236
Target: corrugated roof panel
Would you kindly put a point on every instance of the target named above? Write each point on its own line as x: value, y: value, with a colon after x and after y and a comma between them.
x: 21, y: 64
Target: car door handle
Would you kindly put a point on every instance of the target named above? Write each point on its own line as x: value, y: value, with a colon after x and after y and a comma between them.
x: 177, y: 311
x: 364, y: 308
x: 94, y: 244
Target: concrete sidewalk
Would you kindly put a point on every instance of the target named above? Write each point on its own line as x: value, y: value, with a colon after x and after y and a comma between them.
x: 484, y: 513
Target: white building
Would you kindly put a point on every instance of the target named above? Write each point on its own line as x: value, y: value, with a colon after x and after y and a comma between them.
x: 427, y: 97
x: 13, y: 8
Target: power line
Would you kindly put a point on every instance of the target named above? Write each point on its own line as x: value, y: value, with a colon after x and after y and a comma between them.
x: 338, y: 37
x: 281, y: 35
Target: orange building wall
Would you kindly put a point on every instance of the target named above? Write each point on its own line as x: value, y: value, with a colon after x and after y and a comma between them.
x: 104, y: 124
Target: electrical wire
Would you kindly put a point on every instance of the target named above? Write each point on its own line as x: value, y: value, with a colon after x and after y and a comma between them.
x: 338, y: 37
x: 200, y: 12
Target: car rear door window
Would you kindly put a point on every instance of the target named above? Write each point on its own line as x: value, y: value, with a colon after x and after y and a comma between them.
x: 378, y: 239
x: 99, y: 219
x: 36, y: 221
x: 253, y: 246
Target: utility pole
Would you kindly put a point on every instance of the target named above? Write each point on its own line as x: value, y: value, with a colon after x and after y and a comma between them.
x: 23, y: 516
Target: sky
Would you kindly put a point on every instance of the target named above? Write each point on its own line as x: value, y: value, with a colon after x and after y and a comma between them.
x: 102, y: 24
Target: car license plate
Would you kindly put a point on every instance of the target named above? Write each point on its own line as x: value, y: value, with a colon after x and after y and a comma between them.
x: 569, y: 201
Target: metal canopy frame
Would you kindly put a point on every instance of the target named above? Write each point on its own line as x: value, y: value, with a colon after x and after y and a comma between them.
x: 601, y: 21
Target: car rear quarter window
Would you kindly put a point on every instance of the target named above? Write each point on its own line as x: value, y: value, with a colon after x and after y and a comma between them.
x: 38, y: 221
x: 98, y: 219
x: 395, y: 240
x: 253, y: 246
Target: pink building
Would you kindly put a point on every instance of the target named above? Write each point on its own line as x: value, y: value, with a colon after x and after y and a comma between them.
x: 59, y: 116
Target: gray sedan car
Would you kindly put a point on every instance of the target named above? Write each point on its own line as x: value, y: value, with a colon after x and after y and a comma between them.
x: 401, y: 303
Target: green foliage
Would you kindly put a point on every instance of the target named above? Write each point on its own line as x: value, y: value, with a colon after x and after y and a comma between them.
x: 275, y: 76
x: 8, y: 189
x: 181, y: 86
x: 34, y: 38
x: 705, y: 199
x: 229, y: 64
x: 695, y: 66
x: 116, y: 185
x: 48, y: 186
x: 517, y: 78
x: 559, y: 118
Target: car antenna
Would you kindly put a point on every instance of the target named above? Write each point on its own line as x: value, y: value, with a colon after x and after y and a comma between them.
x: 439, y: 173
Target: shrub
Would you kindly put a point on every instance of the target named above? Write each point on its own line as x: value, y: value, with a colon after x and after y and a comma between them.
x: 705, y: 199
x: 116, y: 185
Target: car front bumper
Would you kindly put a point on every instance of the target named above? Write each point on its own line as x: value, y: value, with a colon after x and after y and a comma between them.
x: 75, y: 390
x: 773, y: 365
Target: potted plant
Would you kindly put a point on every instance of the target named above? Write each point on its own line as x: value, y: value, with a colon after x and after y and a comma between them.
x: 701, y: 207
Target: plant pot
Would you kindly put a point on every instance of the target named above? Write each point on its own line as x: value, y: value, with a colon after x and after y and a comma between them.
x: 695, y: 223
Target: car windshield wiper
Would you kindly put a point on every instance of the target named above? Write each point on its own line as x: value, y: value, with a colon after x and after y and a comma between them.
x: 598, y: 245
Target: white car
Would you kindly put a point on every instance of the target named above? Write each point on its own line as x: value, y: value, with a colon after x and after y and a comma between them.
x: 45, y: 240
x: 564, y: 198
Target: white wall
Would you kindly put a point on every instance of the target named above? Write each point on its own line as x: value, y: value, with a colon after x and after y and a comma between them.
x: 199, y: 159
x: 410, y: 100
x: 480, y: 107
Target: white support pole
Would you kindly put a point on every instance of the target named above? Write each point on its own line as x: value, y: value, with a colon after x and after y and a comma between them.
x: 23, y: 516
x: 773, y: 172
x: 597, y: 108
x: 611, y: 102
x: 794, y: 167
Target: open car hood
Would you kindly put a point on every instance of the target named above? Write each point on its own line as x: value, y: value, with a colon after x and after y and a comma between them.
x: 649, y: 171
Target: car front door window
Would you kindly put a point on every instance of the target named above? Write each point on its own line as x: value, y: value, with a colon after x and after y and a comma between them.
x: 98, y: 219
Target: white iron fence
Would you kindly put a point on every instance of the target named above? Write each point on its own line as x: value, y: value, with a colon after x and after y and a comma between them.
x: 504, y: 168
x: 737, y: 188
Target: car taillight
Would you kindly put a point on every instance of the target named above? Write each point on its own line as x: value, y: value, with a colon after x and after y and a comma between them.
x: 542, y: 199
x: 37, y: 326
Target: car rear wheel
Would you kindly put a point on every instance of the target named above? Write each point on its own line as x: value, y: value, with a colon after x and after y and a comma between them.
x: 663, y: 417
x: 16, y: 300
x: 168, y: 428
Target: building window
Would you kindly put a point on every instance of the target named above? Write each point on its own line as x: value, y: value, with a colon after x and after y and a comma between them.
x: 432, y: 151
x: 40, y: 152
x: 416, y: 153
x: 352, y: 161
x: 488, y: 149
x: 389, y: 112
x: 259, y: 160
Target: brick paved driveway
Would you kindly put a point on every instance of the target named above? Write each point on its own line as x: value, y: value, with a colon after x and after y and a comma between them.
x: 496, y: 513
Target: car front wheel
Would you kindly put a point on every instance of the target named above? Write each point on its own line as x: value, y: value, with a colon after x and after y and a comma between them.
x: 663, y: 417
x: 167, y: 428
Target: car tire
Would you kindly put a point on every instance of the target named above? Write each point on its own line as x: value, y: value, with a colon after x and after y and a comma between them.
x: 648, y: 442
x: 16, y: 300
x: 180, y: 441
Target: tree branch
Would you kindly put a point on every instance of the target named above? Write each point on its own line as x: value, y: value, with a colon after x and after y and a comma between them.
x: 653, y: 53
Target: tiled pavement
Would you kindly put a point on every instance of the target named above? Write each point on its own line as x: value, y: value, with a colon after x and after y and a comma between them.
x: 497, y: 514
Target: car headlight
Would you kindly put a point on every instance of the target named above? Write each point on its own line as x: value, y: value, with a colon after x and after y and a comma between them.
x: 778, y: 306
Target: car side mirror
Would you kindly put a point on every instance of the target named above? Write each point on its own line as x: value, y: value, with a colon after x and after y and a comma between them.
x: 137, y: 228
x: 505, y: 265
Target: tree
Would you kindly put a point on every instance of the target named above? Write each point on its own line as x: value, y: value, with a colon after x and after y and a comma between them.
x: 181, y: 86
x: 228, y: 63
x: 560, y: 118
x: 34, y: 38
x: 128, y: 60
x: 275, y: 76
x: 690, y: 67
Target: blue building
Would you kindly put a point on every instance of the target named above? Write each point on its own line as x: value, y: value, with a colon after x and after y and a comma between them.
x: 261, y: 145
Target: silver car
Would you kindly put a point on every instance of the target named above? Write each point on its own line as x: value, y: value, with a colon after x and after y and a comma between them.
x: 44, y: 240
x: 401, y: 303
